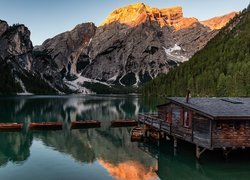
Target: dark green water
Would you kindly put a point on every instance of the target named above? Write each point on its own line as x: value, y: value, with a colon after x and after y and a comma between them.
x: 102, y: 153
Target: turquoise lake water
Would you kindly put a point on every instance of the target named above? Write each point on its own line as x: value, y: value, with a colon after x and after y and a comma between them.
x: 100, y: 153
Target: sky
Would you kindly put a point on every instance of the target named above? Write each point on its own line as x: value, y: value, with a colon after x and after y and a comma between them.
x: 47, y: 18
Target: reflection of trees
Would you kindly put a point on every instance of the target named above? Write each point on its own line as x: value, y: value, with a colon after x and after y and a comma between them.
x: 111, y: 145
x: 75, y: 143
x: 14, y: 147
x: 69, y: 109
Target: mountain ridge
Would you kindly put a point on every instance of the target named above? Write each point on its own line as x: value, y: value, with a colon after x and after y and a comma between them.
x: 115, y: 55
x: 221, y: 68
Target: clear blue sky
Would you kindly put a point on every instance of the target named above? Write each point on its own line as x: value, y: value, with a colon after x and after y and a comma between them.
x: 47, y: 18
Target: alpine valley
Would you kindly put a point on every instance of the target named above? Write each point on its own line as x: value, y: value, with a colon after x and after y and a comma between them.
x: 133, y: 45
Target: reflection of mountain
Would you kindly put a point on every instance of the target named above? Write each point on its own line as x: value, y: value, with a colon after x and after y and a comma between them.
x: 14, y: 147
x: 111, y: 147
x: 69, y: 109
x: 76, y: 144
x: 129, y: 170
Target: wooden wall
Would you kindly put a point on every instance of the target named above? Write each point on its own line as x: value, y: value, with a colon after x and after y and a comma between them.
x: 231, y: 134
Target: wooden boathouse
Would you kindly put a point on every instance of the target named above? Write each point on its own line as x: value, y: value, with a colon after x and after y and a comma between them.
x: 209, y: 123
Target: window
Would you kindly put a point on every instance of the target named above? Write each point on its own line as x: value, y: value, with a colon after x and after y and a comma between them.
x: 231, y: 124
x: 218, y: 125
x: 247, y: 124
x: 186, y: 119
x: 237, y: 125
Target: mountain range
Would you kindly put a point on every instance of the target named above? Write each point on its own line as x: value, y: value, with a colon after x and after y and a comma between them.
x: 133, y: 45
x: 221, y: 68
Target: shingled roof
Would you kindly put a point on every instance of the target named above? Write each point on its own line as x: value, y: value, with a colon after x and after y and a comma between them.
x: 217, y: 108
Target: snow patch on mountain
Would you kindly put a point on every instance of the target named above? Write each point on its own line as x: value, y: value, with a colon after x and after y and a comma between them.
x: 173, y: 53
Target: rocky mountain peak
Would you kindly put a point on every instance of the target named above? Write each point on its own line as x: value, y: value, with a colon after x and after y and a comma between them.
x: 15, y: 41
x: 135, y: 14
x: 3, y: 27
x: 66, y: 48
x: 219, y: 21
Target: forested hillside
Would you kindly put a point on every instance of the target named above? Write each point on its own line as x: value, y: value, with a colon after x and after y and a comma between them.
x: 222, y: 68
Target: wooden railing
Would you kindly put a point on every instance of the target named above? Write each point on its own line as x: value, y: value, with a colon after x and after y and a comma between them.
x: 155, y: 121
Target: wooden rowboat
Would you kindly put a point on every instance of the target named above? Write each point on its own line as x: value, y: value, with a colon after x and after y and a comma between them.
x: 123, y: 123
x: 154, y: 135
x: 11, y: 126
x: 46, y: 126
x: 85, y: 124
x: 136, y: 133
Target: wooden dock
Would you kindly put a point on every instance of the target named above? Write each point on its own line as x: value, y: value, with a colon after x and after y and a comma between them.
x: 85, y: 124
x: 157, y: 123
x: 123, y: 123
x: 6, y: 127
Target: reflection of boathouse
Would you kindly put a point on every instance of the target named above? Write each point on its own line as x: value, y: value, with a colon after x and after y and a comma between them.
x: 209, y: 123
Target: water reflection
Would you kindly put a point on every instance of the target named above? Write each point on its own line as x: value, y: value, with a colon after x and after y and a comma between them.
x: 112, y: 149
x: 102, y: 153
x: 14, y: 147
x: 130, y: 170
x: 70, y: 108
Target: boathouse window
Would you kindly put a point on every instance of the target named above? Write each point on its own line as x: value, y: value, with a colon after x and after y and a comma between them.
x: 186, y: 118
x: 247, y: 124
x: 218, y: 125
x: 231, y: 124
x: 237, y: 125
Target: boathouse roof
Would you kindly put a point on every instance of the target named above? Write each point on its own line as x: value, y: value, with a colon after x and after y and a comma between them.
x: 217, y: 108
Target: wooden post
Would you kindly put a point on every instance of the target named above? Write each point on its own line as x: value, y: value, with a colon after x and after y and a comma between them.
x: 199, y: 152
x: 175, y: 142
x: 175, y: 146
x: 226, y: 152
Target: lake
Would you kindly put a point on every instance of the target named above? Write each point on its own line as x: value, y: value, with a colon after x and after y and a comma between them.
x: 99, y: 153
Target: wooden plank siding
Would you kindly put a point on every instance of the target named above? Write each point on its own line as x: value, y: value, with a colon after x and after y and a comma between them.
x: 231, y: 134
